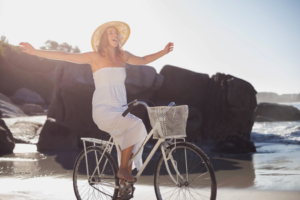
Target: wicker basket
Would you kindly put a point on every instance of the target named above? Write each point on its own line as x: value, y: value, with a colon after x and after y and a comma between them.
x: 172, y: 120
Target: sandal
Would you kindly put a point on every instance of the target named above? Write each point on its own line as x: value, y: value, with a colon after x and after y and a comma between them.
x: 125, y: 193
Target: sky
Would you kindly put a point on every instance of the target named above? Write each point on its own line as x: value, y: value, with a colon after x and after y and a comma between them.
x: 255, y: 40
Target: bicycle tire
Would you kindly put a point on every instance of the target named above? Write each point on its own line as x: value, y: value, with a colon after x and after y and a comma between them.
x: 165, y: 188
x: 83, y: 188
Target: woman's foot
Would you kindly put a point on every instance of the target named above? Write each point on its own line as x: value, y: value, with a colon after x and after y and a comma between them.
x: 124, y: 174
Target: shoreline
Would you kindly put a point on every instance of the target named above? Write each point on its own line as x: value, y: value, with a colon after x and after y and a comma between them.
x: 28, y: 174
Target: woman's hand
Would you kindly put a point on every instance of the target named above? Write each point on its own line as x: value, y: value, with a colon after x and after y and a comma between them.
x: 27, y: 48
x: 169, y: 47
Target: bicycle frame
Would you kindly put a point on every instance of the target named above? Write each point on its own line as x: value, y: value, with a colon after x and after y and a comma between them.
x: 108, y: 145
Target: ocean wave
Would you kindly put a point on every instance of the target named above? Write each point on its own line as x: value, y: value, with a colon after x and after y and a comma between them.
x: 276, y: 132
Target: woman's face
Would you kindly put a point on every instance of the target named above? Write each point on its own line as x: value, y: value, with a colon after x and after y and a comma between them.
x: 113, y: 36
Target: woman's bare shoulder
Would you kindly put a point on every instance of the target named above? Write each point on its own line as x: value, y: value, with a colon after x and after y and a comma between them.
x: 125, y: 55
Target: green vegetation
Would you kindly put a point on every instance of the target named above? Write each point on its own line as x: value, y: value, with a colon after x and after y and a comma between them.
x: 52, y: 45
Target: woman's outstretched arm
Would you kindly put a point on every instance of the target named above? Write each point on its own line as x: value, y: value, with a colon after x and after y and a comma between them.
x: 82, y: 58
x: 135, y: 60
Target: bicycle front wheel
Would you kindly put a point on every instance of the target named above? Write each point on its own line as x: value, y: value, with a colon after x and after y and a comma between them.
x: 97, y: 181
x: 196, y: 180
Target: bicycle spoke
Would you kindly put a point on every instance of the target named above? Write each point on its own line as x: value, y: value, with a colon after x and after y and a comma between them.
x: 100, y: 186
x: 201, y: 179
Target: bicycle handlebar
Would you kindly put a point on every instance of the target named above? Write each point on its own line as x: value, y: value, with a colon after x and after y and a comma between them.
x: 132, y: 104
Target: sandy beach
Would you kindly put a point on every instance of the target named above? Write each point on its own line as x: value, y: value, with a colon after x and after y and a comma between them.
x: 28, y: 174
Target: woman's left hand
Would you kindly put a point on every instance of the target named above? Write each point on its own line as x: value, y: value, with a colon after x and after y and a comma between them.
x: 169, y: 47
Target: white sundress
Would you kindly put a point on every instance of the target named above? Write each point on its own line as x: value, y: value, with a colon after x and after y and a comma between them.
x: 108, y: 98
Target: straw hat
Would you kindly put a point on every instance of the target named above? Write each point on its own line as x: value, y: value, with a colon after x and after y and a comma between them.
x: 123, y: 28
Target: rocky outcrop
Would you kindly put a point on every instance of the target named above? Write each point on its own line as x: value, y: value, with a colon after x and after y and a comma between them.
x: 220, y: 107
x: 71, y: 107
x: 7, y: 144
x: 32, y: 109
x: 272, y: 97
x: 230, y: 103
x: 225, y: 104
x: 24, y: 95
x: 183, y: 87
x: 57, y: 136
x: 276, y: 112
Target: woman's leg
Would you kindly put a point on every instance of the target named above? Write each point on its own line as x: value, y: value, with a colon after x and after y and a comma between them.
x: 123, y: 171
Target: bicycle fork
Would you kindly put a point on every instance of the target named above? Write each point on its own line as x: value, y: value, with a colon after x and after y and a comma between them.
x: 167, y: 155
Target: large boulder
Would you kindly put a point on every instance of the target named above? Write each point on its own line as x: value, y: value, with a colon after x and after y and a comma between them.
x: 56, y: 136
x: 71, y: 107
x: 142, y: 79
x: 225, y: 103
x: 182, y: 86
x: 276, y: 112
x: 229, y: 107
x: 24, y: 95
x: 141, y: 83
x: 7, y: 144
x: 31, y: 109
x: 228, y: 113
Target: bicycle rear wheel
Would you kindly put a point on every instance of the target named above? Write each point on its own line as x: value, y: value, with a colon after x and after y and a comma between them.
x: 101, y: 184
x: 199, y: 181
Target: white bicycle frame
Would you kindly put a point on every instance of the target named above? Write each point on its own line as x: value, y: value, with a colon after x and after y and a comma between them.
x: 162, y: 143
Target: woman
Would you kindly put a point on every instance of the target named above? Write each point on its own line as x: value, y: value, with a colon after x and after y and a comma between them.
x: 108, y: 66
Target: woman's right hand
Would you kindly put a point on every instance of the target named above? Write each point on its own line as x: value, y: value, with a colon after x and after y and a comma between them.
x: 27, y: 48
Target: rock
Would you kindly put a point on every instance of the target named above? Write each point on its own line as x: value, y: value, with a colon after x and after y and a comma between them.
x: 71, y: 109
x: 220, y: 107
x: 71, y: 106
x: 9, y: 110
x: 30, y: 109
x: 24, y: 95
x: 5, y: 98
x: 25, y: 132
x: 194, y: 123
x: 141, y: 83
x: 4, y: 126
x: 266, y: 97
x: 277, y: 112
x: 298, y: 98
x: 235, y: 145
x: 263, y: 119
x: 182, y: 86
x: 272, y: 97
x: 142, y: 78
x: 229, y: 107
x: 56, y: 137
x: 7, y: 144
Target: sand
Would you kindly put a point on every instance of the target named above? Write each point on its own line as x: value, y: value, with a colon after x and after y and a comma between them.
x: 28, y: 174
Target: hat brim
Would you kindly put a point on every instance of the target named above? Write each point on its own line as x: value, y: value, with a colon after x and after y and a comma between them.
x: 123, y: 28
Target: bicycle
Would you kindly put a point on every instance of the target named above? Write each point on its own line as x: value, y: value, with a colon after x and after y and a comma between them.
x: 182, y: 171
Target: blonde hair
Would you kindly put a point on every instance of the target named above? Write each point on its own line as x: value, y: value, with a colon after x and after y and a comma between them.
x: 104, y: 44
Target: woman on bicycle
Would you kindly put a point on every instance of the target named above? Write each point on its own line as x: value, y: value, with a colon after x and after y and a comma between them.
x: 108, y: 65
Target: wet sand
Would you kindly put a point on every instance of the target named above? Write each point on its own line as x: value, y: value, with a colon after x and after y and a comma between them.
x: 273, y: 174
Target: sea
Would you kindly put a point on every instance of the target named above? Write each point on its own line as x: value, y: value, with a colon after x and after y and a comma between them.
x: 285, y: 132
